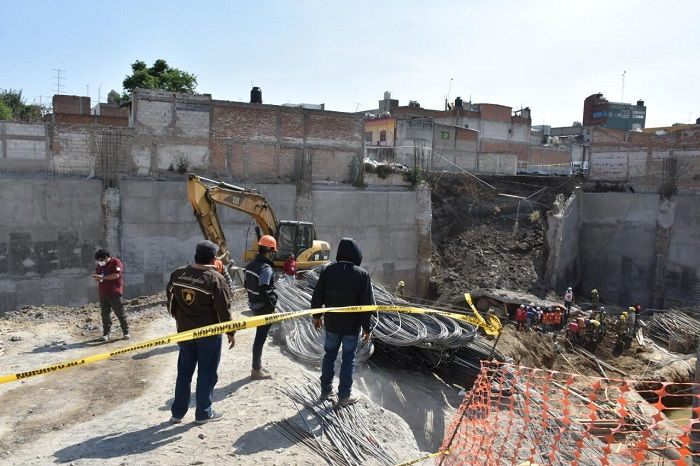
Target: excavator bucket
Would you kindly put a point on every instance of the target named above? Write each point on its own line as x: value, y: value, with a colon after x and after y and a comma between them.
x: 493, y: 327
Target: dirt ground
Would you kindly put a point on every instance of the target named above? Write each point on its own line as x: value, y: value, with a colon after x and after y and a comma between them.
x: 552, y: 351
x: 116, y: 411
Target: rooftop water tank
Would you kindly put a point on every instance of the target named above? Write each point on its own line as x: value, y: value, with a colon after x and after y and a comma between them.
x: 255, y: 95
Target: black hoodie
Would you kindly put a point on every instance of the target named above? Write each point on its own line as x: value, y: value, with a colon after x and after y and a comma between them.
x: 344, y: 283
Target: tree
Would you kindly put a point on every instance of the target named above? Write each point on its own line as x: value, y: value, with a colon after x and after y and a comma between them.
x: 158, y: 76
x: 19, y: 110
x: 5, y: 111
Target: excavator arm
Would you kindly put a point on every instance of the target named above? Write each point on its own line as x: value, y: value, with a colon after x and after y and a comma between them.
x: 204, y: 194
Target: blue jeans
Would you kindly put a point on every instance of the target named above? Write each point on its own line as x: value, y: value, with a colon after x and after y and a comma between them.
x: 331, y: 346
x: 205, y: 353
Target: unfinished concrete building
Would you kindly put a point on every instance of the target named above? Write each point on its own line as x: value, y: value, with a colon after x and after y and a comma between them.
x: 479, y: 138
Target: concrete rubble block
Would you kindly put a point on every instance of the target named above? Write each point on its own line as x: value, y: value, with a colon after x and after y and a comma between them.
x: 26, y: 149
x: 24, y: 129
x: 154, y: 117
x: 192, y: 123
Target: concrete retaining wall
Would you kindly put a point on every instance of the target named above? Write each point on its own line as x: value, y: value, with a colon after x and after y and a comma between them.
x: 51, y: 228
x: 630, y: 246
x: 49, y: 231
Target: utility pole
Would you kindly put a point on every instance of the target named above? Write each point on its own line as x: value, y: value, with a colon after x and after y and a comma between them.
x: 622, y: 97
x: 447, y: 97
x: 58, y: 78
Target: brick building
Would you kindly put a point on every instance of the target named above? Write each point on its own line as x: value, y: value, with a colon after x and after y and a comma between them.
x: 161, y: 132
x: 598, y: 111
x: 76, y: 109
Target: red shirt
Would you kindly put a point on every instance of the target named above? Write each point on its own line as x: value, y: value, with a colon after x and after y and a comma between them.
x: 111, y: 287
x: 290, y: 267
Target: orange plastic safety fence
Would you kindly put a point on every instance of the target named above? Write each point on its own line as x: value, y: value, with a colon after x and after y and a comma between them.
x: 514, y: 415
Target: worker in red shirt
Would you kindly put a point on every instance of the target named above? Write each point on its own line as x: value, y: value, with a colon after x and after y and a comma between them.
x: 290, y: 267
x: 110, y: 284
x: 520, y: 317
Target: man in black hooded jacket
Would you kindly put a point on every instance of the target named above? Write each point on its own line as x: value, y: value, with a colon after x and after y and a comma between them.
x: 343, y: 283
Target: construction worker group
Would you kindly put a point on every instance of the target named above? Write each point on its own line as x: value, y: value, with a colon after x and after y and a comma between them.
x: 585, y: 329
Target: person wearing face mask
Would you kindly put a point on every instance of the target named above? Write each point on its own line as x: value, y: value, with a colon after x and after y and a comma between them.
x: 110, y: 285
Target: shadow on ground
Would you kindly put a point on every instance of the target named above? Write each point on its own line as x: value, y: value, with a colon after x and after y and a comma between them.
x: 219, y: 393
x: 263, y: 438
x: 123, y: 444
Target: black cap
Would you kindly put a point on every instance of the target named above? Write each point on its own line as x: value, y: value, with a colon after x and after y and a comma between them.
x: 205, y: 253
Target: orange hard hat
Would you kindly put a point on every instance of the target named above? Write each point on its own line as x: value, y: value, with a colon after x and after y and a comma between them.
x: 268, y: 241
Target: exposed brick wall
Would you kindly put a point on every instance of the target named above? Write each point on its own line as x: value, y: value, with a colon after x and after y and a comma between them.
x: 467, y: 134
x: 522, y: 151
x: 335, y: 127
x: 264, y: 141
x: 242, y: 122
x: 643, y: 159
x: 73, y: 104
x: 113, y: 110
x: 291, y: 124
x: 495, y: 112
x: 549, y: 155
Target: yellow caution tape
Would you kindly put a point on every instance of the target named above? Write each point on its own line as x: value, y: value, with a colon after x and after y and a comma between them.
x: 423, y: 458
x: 218, y: 329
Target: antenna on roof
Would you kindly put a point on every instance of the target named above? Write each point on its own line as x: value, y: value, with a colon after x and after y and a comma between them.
x: 58, y: 78
x: 622, y: 96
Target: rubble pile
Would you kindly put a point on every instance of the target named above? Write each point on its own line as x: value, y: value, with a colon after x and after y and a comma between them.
x: 483, y: 240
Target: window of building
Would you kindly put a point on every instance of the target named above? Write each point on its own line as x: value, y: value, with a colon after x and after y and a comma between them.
x: 444, y: 135
x: 382, y: 136
x: 368, y: 136
x: 600, y: 114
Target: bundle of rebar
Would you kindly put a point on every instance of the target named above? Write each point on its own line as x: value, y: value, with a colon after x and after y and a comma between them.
x: 338, y: 435
x: 675, y: 329
x: 390, y: 329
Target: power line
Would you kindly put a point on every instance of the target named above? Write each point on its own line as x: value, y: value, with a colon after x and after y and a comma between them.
x: 58, y: 79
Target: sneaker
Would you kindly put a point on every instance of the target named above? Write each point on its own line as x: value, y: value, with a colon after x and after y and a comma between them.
x: 105, y: 337
x: 327, y: 395
x: 175, y: 420
x: 213, y: 418
x: 259, y: 374
x: 347, y: 401
x: 127, y: 336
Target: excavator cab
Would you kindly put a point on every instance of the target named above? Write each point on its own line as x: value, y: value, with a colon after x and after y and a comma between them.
x: 294, y: 238
x: 298, y: 238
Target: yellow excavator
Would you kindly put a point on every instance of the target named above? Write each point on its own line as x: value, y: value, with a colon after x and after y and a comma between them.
x: 298, y: 238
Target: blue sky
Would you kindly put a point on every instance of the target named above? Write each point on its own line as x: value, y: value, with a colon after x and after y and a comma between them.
x: 548, y: 55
